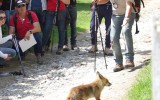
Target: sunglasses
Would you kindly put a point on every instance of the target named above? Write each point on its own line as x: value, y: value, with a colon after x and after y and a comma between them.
x: 19, y: 6
x: 2, y: 18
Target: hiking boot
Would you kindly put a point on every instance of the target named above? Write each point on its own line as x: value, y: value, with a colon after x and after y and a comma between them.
x: 93, y: 49
x: 59, y: 51
x: 65, y: 48
x: 39, y: 59
x: 118, y: 67
x: 129, y: 64
x: 108, y: 52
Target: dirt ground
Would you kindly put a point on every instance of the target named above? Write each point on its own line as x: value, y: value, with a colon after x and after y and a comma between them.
x: 54, y: 79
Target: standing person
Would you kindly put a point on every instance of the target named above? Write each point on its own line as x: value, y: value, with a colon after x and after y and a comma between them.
x: 50, y: 15
x: 24, y: 27
x: 6, y: 51
x: 103, y: 8
x: 9, y: 7
x: 122, y: 21
x: 71, y: 18
x: 38, y: 6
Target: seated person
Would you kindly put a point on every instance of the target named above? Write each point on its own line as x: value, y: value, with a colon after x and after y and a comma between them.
x: 6, y: 51
x: 23, y: 24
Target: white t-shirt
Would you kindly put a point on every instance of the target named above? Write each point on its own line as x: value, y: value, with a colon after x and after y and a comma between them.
x: 119, y: 6
x: 3, y: 40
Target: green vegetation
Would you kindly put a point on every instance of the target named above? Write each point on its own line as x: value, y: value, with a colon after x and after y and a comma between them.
x: 141, y: 90
x: 83, y: 19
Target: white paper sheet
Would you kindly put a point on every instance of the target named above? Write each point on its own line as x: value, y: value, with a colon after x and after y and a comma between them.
x: 26, y: 44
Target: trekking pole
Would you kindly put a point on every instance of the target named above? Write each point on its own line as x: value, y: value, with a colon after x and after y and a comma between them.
x: 103, y: 44
x: 10, y: 6
x: 95, y: 32
x: 100, y: 35
x: 17, y: 49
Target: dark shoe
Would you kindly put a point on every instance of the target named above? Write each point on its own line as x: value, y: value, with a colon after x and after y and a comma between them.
x: 65, y: 48
x: 22, y: 58
x: 108, y: 52
x: 43, y: 51
x: 39, y: 59
x: 74, y: 47
x: 4, y: 65
x: 129, y: 64
x: 118, y: 67
x: 93, y: 49
x: 59, y: 51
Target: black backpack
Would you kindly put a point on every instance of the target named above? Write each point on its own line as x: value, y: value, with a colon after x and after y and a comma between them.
x: 15, y: 20
x: 137, y: 9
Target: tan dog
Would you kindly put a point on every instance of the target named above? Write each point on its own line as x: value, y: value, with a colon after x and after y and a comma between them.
x: 84, y: 92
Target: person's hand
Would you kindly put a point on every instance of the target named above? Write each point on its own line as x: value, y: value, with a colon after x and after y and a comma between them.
x: 8, y: 57
x: 125, y: 21
x: 13, y: 35
x: 27, y: 36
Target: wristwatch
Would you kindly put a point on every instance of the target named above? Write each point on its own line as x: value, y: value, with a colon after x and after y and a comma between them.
x: 30, y: 31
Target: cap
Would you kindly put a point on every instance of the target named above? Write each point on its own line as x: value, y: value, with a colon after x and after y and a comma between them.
x: 20, y: 2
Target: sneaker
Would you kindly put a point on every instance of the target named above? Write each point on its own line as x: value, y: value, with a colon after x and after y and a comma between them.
x: 59, y: 51
x: 65, y: 48
x: 118, y: 67
x: 39, y: 59
x: 129, y: 64
x: 108, y: 52
x: 93, y: 49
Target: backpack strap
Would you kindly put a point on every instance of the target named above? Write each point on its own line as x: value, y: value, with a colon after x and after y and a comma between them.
x: 143, y: 3
x: 30, y: 17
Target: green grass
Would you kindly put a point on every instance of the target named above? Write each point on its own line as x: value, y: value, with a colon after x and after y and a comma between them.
x: 83, y: 19
x: 141, y: 90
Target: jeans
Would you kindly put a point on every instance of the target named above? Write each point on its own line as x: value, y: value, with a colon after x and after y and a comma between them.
x: 8, y: 15
x: 37, y: 47
x: 116, y: 30
x: 103, y: 11
x: 48, y: 26
x: 71, y: 19
x: 6, y: 48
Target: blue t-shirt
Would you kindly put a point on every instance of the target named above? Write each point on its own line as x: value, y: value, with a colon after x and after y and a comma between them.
x: 36, y: 4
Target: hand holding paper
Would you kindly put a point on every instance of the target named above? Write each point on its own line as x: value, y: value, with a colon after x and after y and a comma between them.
x: 25, y: 44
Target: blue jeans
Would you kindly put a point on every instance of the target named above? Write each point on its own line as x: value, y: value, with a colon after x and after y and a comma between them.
x: 37, y: 47
x: 8, y: 15
x: 6, y: 48
x: 116, y: 30
x: 48, y: 26
x: 71, y: 19
x: 103, y: 11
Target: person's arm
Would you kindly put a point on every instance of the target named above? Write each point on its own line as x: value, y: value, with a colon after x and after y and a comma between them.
x: 32, y: 31
x: 128, y: 9
x: 66, y: 1
x: 127, y: 13
x: 4, y: 39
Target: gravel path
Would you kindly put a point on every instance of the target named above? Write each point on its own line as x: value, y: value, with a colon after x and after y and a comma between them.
x: 53, y: 80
